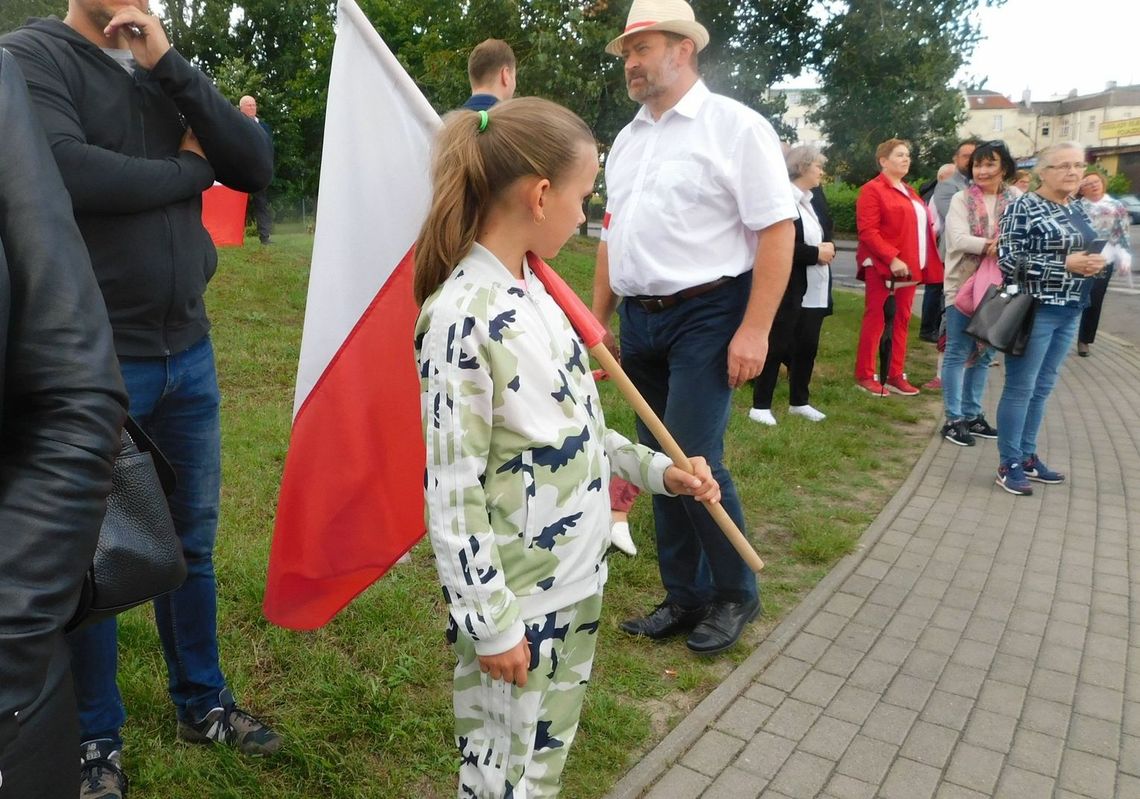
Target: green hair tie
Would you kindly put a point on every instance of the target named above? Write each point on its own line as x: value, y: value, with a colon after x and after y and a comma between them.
x: 484, y: 118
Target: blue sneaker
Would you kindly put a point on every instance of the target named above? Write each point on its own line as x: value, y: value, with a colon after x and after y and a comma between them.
x: 1011, y: 477
x: 1035, y: 469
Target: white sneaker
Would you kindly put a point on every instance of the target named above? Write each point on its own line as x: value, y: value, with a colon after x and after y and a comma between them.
x: 808, y: 412
x: 763, y: 416
x: 620, y: 538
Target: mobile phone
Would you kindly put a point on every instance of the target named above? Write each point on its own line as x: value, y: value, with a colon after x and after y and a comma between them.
x: 1096, y: 246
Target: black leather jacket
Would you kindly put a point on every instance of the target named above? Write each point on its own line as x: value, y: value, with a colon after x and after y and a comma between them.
x: 62, y: 404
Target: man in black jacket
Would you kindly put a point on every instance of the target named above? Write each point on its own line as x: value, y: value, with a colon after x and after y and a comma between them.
x: 138, y: 134
x: 262, y: 213
x: 62, y: 404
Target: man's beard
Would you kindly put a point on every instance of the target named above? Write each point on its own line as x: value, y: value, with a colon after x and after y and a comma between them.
x: 654, y: 86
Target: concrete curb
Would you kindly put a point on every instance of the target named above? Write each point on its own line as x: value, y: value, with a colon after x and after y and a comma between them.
x: 655, y: 763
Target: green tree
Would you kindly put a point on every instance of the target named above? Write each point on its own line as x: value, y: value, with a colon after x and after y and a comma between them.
x: 200, y: 29
x: 885, y: 68
x: 14, y: 13
x: 753, y: 45
x: 279, y: 51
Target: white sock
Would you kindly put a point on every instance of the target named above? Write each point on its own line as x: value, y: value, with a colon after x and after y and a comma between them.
x: 763, y: 416
x: 620, y: 538
x: 808, y: 412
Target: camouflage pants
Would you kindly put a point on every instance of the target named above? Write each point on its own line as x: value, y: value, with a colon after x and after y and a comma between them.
x: 514, y: 741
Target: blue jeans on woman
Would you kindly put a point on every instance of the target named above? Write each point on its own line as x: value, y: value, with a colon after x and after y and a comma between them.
x: 678, y: 359
x: 962, y: 385
x: 175, y: 399
x: 1029, y: 380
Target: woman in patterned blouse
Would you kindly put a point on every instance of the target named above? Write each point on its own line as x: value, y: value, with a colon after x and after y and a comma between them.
x: 1041, y: 247
x: 1110, y: 220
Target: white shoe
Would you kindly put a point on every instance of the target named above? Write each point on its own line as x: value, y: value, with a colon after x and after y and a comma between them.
x: 620, y: 538
x: 808, y: 412
x: 763, y: 416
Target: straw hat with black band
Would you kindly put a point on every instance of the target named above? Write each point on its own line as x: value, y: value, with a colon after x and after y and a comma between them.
x: 668, y: 16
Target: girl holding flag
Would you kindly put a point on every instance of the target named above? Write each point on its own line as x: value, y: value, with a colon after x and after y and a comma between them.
x: 518, y: 454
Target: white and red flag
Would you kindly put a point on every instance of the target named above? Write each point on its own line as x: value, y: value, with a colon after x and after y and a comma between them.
x: 351, y: 498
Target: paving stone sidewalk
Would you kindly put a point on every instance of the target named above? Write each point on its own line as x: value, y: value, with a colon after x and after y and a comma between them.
x: 978, y: 644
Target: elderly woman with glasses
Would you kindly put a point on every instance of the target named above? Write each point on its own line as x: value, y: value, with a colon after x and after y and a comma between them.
x: 794, y: 338
x: 1110, y: 220
x: 1043, y: 243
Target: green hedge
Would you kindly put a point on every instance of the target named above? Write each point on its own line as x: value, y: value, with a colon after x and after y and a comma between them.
x: 841, y: 200
x: 1119, y: 184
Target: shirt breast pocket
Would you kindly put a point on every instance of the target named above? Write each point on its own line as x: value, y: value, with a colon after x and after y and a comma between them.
x: 678, y: 186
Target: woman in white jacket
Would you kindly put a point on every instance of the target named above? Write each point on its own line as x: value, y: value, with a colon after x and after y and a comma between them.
x: 971, y: 229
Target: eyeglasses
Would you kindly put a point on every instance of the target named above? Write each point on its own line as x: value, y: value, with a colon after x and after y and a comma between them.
x: 1077, y: 167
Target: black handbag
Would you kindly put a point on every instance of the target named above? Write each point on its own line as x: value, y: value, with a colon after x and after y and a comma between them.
x: 1004, y: 317
x: 139, y: 555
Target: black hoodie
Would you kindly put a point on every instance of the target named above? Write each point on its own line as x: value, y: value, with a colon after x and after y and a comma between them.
x: 137, y: 197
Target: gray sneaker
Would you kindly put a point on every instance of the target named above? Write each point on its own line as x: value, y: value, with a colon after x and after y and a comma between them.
x: 232, y: 726
x: 100, y: 773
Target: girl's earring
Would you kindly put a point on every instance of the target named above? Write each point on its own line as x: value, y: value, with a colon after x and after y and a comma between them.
x: 538, y: 220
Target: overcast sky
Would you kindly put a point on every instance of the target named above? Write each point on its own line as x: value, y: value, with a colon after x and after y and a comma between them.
x: 1051, y: 47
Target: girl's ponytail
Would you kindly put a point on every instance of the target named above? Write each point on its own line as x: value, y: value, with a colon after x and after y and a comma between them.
x: 459, y: 199
x: 477, y: 156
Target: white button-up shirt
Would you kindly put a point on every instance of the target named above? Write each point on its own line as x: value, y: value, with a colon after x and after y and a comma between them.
x: 687, y: 193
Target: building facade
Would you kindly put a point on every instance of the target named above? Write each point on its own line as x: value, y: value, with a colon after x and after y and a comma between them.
x: 800, y: 103
x: 1106, y: 123
x: 990, y: 115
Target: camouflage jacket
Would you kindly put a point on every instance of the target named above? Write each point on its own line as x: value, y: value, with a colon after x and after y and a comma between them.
x: 518, y: 454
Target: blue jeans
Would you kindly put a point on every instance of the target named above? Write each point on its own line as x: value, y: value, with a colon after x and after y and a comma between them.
x: 962, y: 386
x: 175, y: 399
x: 1029, y: 380
x: 678, y: 359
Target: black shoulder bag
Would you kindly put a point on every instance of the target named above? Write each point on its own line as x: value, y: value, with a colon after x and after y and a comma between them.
x: 139, y: 556
x: 1004, y: 317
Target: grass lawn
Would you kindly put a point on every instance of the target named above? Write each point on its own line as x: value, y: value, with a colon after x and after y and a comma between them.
x: 365, y: 703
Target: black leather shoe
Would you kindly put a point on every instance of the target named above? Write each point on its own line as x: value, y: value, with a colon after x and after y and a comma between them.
x: 722, y: 627
x: 666, y: 620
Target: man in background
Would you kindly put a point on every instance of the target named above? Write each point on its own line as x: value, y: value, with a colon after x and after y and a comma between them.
x: 940, y: 199
x: 491, y: 70
x: 260, y: 199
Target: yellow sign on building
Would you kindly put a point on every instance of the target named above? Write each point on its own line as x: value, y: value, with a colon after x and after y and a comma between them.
x: 1119, y: 129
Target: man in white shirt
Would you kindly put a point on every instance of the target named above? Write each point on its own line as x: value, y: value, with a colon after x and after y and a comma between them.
x: 697, y: 248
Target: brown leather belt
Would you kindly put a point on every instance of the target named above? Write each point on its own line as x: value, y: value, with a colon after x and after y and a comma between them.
x: 657, y: 304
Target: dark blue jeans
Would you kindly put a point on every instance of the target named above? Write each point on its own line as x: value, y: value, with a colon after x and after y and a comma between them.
x: 176, y: 400
x: 677, y: 358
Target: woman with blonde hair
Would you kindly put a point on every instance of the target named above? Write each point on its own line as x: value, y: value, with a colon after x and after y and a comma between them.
x: 1110, y: 220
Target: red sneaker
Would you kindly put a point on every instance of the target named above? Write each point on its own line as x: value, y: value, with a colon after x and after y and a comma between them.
x: 899, y: 385
x: 871, y: 386
x: 933, y: 385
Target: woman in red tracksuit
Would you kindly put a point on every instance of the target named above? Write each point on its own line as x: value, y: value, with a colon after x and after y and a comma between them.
x: 896, y: 243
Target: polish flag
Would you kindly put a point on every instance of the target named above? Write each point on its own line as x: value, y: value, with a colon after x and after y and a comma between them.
x: 351, y: 499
